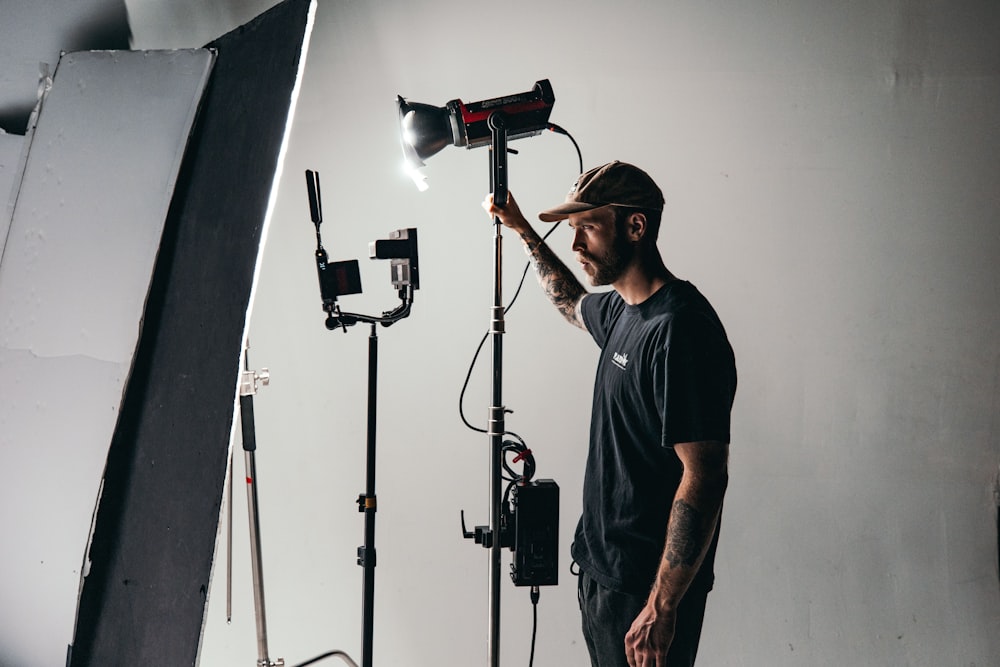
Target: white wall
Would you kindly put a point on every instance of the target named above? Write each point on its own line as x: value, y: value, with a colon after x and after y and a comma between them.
x: 831, y: 185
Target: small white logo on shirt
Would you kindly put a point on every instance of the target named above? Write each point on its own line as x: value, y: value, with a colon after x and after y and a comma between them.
x: 621, y: 360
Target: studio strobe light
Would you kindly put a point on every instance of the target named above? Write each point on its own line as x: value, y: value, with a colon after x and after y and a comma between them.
x: 425, y: 129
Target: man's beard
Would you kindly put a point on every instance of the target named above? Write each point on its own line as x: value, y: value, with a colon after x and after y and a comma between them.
x: 609, y: 266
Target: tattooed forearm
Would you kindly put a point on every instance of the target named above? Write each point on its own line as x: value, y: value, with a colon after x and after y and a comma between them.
x: 560, y: 285
x: 693, y: 520
x: 685, y: 536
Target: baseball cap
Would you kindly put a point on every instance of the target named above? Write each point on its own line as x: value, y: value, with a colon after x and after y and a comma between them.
x: 616, y: 183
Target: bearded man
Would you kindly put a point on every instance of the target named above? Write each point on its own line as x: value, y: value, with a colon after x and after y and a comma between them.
x: 657, y: 463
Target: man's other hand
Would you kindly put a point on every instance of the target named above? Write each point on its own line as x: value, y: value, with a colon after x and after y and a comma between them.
x: 649, y: 638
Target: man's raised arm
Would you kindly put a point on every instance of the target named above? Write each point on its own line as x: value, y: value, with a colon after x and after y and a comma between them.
x: 560, y: 285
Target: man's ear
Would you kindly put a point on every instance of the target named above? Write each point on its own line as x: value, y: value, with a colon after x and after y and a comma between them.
x: 636, y: 226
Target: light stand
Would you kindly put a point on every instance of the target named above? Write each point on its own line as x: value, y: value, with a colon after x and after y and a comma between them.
x: 248, y: 387
x: 425, y: 130
x: 337, y: 279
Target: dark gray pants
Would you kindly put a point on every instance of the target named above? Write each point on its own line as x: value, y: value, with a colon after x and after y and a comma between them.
x: 608, y: 615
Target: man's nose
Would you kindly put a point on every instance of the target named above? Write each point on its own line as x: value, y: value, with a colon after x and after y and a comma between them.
x: 577, y: 240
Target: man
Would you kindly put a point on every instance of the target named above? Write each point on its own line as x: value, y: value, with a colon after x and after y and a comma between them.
x: 659, y: 437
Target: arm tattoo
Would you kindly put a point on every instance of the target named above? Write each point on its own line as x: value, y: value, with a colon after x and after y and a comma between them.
x: 685, y: 535
x: 560, y: 285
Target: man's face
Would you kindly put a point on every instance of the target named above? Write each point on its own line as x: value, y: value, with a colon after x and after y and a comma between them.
x: 600, y: 246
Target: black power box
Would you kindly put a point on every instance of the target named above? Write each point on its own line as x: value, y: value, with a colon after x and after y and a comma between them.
x: 536, y: 533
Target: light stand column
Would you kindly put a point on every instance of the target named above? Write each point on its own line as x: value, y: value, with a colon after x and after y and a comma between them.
x: 495, y: 429
x: 367, y: 503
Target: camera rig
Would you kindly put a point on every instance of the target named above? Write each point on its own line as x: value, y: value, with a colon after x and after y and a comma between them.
x: 337, y: 279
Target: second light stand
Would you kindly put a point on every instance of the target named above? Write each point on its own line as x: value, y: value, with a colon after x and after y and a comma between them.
x: 337, y: 279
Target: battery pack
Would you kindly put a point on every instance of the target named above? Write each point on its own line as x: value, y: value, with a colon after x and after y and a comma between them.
x: 536, y: 533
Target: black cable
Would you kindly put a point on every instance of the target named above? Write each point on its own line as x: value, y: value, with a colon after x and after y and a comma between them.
x: 579, y: 156
x: 535, y: 594
x: 339, y: 654
x: 527, y: 265
x: 558, y: 130
x: 465, y: 385
x: 523, y: 454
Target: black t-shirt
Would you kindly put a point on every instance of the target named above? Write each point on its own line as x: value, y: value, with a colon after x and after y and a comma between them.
x: 666, y: 374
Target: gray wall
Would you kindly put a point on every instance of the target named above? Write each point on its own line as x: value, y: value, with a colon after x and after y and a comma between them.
x: 35, y: 33
x: 831, y: 183
x: 832, y: 186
